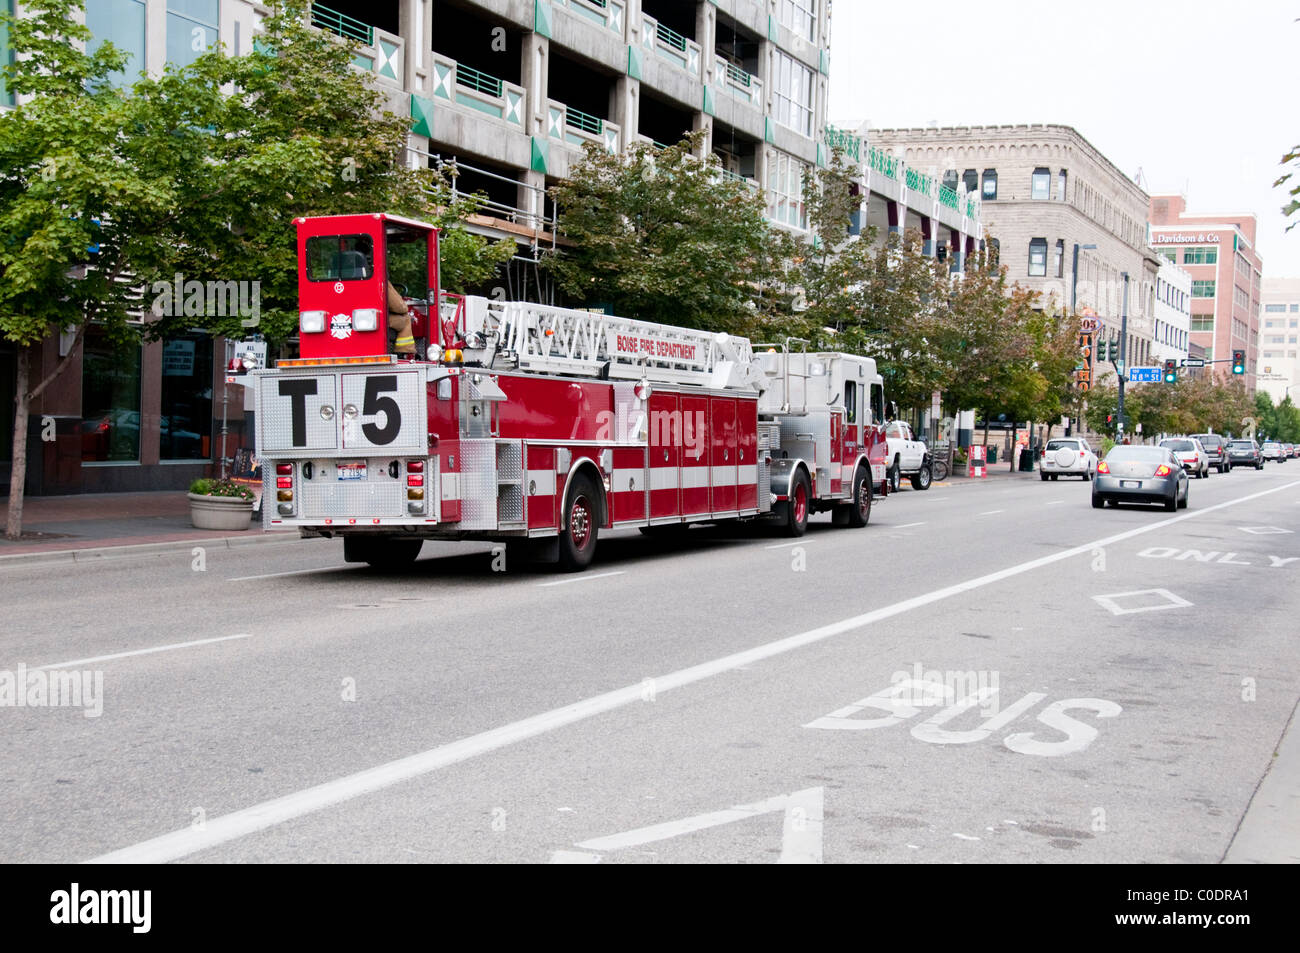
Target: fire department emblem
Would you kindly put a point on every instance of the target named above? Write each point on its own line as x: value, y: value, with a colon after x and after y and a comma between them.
x: 338, y: 287
x: 341, y: 326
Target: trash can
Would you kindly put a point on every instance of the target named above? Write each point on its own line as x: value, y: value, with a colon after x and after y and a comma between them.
x: 1027, y: 458
x: 993, y: 454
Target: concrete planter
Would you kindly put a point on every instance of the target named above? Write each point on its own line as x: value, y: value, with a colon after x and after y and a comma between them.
x: 229, y: 513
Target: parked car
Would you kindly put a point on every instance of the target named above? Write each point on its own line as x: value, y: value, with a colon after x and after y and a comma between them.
x: 1272, y: 450
x: 908, y: 457
x: 1245, y: 453
x: 1135, y: 474
x: 1067, y: 456
x: 1190, y: 453
x: 1290, y: 450
x: 1216, y: 449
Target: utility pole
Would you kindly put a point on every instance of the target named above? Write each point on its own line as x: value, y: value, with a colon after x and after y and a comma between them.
x: 1122, y: 368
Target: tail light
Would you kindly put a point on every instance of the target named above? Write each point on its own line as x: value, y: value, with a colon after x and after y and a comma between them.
x: 1081, y: 453
x: 414, y: 466
x: 1102, y: 467
x: 365, y: 319
x: 284, y: 469
x: 1163, y: 470
x: 311, y: 322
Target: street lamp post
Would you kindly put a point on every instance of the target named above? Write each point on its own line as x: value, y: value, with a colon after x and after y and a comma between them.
x: 1123, y: 348
x: 1074, y: 309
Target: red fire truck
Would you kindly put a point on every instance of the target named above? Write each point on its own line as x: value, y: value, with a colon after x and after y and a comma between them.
x: 535, y: 425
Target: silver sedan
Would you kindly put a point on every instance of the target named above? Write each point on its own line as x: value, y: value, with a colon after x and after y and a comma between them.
x: 1140, y: 475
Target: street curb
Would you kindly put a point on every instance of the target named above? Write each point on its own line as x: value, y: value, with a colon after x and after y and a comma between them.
x: 143, y: 549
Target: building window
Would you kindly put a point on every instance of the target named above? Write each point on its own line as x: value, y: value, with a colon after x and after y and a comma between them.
x: 785, y: 176
x: 122, y: 23
x: 990, y: 184
x: 1041, y: 184
x: 799, y: 16
x: 1060, y: 186
x: 1202, y: 322
x: 793, y: 93
x: 971, y: 179
x: 191, y: 29
x: 110, y: 401
x: 950, y: 179
x: 1275, y: 308
x: 1038, y: 258
x: 1203, y: 289
x: 1058, y: 259
x: 6, y: 56
x: 1201, y: 255
x: 1295, y: 307
x: 185, y: 428
x: 1170, y: 255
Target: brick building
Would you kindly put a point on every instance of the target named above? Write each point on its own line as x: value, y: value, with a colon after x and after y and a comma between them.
x: 1226, y: 269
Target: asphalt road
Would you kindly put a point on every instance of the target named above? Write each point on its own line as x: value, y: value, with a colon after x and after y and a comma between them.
x: 1104, y: 686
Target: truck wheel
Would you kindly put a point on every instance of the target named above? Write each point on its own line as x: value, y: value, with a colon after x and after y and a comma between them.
x: 581, y: 515
x: 381, y: 552
x: 921, y: 478
x: 893, y: 476
x: 793, y: 513
x: 857, y: 513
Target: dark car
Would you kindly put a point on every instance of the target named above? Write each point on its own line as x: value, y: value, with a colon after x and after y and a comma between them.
x: 1245, y: 453
x: 1140, y: 475
x: 1216, y: 448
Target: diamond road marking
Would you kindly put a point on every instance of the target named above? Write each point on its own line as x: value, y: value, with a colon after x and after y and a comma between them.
x: 1170, y: 601
x: 1264, y: 530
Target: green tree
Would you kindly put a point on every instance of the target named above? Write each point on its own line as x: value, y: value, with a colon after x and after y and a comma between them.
x: 1292, y: 206
x: 663, y: 236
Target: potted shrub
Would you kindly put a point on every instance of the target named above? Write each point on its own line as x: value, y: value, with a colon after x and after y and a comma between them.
x: 220, y: 504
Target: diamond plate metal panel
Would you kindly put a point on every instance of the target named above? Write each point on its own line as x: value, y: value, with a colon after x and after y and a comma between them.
x: 338, y: 499
x: 510, y: 504
x: 289, y: 413
x: 384, y: 411
x: 478, y: 484
x: 510, y: 460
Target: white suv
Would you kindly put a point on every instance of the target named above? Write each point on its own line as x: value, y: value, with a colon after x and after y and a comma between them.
x: 1190, y: 454
x: 1067, y: 456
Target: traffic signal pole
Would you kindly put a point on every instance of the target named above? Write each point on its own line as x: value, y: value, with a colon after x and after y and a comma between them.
x: 1123, y: 347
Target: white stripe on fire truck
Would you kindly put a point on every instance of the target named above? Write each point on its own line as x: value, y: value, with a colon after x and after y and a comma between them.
x: 748, y: 475
x: 625, y: 480
x: 694, y: 477
x: 228, y: 827
x: 663, y: 478
x: 451, y: 486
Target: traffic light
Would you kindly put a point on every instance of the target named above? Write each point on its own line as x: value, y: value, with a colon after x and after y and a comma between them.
x: 1239, y: 361
x: 1112, y: 350
x: 1171, y: 371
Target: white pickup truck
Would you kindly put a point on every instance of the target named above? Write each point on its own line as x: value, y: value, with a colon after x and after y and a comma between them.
x: 908, y: 457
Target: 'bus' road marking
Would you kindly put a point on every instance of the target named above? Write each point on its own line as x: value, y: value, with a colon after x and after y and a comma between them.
x: 157, y: 648
x: 797, y: 542
x: 249, y: 820
x: 582, y: 578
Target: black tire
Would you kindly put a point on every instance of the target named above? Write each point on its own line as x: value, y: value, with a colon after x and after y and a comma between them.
x: 939, y: 469
x: 581, y: 525
x: 1182, y: 503
x: 859, y: 511
x: 1097, y: 502
x: 894, y: 477
x: 792, y: 514
x: 1171, y: 504
x: 1087, y: 476
x: 1054, y: 476
x: 1260, y: 465
x: 381, y: 552
x: 922, y: 477
x: 1042, y: 476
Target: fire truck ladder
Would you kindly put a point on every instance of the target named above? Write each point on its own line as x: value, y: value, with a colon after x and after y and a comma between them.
x: 550, y: 340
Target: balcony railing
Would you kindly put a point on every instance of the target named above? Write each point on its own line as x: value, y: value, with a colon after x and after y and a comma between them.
x: 735, y: 80
x: 607, y: 13
x: 948, y: 197
x: 845, y: 141
x: 577, y: 127
x: 342, y: 24
x: 474, y: 89
x: 881, y: 161
x: 919, y: 182
x: 670, y: 44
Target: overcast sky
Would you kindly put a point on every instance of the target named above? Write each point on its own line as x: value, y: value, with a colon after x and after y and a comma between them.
x: 1201, y: 96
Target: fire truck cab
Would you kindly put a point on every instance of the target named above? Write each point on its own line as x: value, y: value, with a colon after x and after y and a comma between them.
x: 536, y: 425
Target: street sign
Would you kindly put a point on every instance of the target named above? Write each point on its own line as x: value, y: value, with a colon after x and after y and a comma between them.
x: 1138, y: 375
x: 1119, y: 367
x: 1193, y: 362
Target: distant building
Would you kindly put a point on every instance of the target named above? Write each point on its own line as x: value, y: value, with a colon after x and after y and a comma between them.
x: 1173, y: 313
x: 1279, y: 367
x: 1219, y: 252
x: 1064, y: 220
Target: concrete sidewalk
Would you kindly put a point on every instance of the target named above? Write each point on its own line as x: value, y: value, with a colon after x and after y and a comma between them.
x: 91, y: 525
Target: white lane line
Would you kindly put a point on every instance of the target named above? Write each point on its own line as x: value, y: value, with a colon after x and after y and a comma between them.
x: 583, y: 578
x: 1054, y: 502
x: 797, y: 542
x: 295, y: 572
x: 910, y: 525
x: 157, y: 648
x: 228, y: 827
x: 990, y: 512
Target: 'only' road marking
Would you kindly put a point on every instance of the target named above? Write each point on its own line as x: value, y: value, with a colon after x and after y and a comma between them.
x: 228, y: 827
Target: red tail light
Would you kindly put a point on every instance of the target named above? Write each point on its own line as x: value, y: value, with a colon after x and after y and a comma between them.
x: 1162, y: 470
x: 415, y: 481
x: 414, y: 466
x: 284, y: 469
x: 284, y: 483
x: 1102, y: 467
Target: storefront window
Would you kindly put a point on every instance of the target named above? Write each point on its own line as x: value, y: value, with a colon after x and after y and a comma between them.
x: 110, y: 401
x: 122, y: 23
x: 185, y: 423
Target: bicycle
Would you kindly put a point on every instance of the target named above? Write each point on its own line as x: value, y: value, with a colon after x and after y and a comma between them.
x: 938, y: 468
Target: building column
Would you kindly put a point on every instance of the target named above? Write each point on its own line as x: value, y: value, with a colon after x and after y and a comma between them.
x: 534, y: 55
x: 414, y: 24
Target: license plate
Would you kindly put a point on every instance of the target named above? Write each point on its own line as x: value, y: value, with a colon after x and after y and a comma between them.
x: 352, y: 471
x: 1130, y: 483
